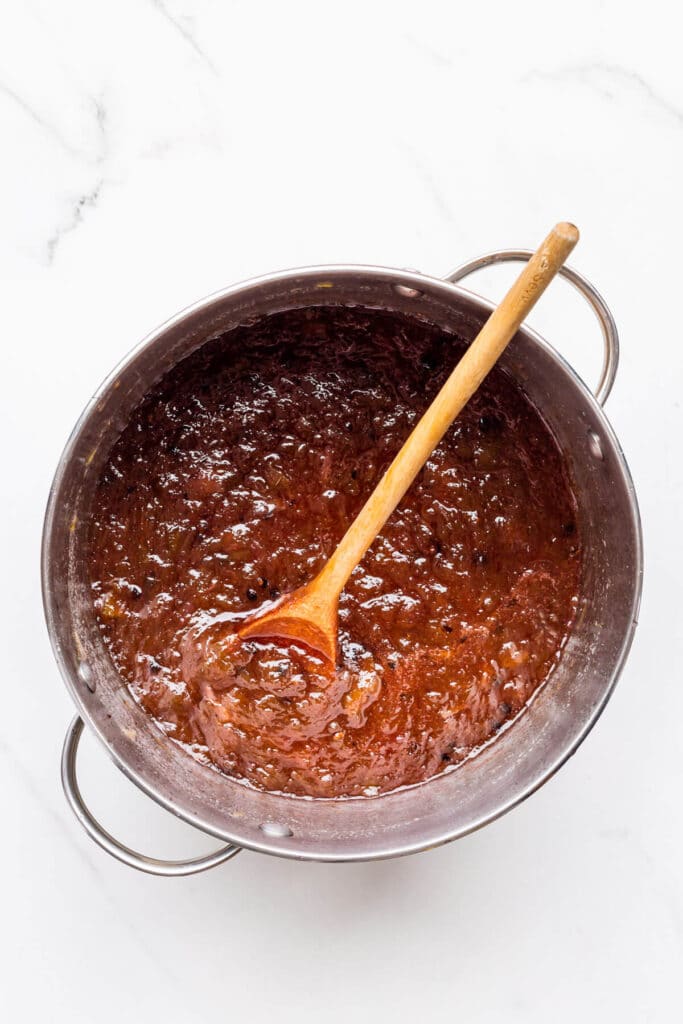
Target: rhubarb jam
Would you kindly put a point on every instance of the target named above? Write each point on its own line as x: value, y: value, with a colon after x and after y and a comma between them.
x: 231, y: 485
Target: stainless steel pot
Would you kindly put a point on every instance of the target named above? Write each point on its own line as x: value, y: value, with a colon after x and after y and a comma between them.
x: 447, y: 807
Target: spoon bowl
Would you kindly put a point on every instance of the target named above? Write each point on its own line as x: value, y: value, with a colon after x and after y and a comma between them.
x: 306, y: 616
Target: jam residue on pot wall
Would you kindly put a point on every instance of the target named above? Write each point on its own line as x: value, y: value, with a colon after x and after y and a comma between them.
x: 232, y: 484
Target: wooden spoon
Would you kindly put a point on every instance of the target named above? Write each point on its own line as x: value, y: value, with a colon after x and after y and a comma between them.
x: 309, y: 615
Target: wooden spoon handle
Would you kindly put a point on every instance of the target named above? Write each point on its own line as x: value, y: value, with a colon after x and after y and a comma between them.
x: 479, y: 358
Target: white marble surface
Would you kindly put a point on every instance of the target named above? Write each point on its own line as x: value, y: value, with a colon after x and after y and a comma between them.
x: 155, y: 151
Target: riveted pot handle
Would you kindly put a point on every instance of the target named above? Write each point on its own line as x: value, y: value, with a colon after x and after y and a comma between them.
x: 134, y: 860
x: 590, y: 294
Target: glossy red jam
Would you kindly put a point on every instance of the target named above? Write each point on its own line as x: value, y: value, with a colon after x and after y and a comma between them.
x: 232, y: 484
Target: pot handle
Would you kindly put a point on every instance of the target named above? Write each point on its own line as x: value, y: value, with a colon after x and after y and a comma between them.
x: 134, y: 860
x: 582, y: 284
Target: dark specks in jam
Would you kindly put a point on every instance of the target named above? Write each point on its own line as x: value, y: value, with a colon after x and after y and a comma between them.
x: 232, y: 484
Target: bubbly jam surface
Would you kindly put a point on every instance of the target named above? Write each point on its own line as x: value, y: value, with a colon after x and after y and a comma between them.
x: 232, y: 484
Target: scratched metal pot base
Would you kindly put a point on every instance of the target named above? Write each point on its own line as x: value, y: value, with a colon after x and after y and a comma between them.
x: 453, y: 802
x: 235, y: 480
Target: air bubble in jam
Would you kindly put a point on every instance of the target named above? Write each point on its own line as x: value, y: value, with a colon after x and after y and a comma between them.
x: 231, y: 486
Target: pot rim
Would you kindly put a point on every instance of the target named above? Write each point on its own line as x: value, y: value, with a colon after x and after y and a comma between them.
x: 409, y: 279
